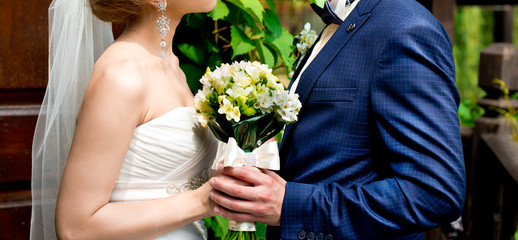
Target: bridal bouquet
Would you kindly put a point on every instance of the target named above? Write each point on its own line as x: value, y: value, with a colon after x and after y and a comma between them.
x: 244, y: 105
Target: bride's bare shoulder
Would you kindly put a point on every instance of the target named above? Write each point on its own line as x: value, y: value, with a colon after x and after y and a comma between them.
x: 117, y: 81
x: 119, y: 69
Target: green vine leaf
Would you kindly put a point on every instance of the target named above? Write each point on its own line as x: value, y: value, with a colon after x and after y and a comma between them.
x: 234, y: 30
x: 192, y: 52
x: 271, y: 5
x: 220, y: 11
x: 193, y: 78
x: 267, y: 57
x: 253, y: 7
x: 214, y: 60
x: 319, y: 3
x: 272, y: 22
x: 282, y: 45
x: 194, y: 20
x: 241, y: 43
x: 211, y: 47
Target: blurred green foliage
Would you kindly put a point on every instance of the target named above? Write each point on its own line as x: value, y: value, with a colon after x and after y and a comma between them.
x: 473, y: 32
x: 474, y: 27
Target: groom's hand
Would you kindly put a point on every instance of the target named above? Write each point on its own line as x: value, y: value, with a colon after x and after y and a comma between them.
x: 248, y: 194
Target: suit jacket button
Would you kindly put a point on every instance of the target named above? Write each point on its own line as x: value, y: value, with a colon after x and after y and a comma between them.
x: 301, y: 235
x: 351, y: 27
x: 320, y: 236
x: 329, y: 237
x: 311, y: 236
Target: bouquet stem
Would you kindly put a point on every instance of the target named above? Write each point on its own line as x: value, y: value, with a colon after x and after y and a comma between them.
x: 240, y: 235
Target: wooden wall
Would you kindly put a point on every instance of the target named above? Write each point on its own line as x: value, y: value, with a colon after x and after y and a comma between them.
x: 23, y: 77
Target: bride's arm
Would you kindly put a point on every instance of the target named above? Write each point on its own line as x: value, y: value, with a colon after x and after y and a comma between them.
x: 113, y: 106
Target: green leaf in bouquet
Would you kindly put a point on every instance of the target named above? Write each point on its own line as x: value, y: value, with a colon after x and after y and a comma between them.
x: 221, y: 128
x: 279, y: 135
x: 220, y: 11
x: 245, y: 133
x: 241, y: 43
x: 192, y: 52
x: 248, y: 111
x: 249, y: 132
x: 240, y: 100
x: 270, y: 130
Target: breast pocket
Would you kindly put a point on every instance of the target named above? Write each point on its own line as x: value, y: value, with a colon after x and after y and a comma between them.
x: 332, y: 95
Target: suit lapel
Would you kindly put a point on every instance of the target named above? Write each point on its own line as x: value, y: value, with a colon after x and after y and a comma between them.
x: 326, y: 55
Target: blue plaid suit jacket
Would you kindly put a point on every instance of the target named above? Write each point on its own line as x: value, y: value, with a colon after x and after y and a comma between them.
x: 376, y: 153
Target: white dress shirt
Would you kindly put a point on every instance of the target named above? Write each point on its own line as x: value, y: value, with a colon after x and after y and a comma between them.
x: 342, y: 11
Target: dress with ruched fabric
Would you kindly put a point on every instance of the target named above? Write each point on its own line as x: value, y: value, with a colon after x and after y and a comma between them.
x: 167, y: 155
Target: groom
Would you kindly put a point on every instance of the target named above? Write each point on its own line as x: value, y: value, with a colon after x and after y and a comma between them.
x: 376, y: 153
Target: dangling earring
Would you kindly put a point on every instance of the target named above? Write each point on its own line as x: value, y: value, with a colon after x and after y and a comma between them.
x: 162, y: 28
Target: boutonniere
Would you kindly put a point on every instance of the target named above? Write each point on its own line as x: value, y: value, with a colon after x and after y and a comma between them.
x: 301, y: 44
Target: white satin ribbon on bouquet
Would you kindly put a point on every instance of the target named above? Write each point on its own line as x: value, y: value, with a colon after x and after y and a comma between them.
x: 266, y: 156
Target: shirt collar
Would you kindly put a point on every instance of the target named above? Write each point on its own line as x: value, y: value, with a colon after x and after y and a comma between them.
x: 340, y: 9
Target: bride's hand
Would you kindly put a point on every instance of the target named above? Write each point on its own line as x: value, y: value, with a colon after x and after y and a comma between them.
x: 205, y: 190
x: 206, y: 203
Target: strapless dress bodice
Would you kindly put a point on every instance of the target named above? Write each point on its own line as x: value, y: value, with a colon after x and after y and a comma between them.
x: 167, y: 155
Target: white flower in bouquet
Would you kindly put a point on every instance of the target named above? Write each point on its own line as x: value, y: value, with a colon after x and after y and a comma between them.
x: 244, y: 88
x: 205, y: 82
x: 264, y: 103
x: 288, y: 110
x: 200, y: 102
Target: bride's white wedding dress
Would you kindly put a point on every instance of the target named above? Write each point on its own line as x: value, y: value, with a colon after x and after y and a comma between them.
x: 167, y: 155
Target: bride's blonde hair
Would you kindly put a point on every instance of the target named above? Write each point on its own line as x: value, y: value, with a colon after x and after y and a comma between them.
x: 116, y: 11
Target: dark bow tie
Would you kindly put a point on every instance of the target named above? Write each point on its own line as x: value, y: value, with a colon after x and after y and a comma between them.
x: 327, y: 14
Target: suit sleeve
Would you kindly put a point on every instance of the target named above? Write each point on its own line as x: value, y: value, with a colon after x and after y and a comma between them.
x: 416, y: 136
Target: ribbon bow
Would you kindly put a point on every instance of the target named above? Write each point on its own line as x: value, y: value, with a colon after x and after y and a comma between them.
x: 266, y: 156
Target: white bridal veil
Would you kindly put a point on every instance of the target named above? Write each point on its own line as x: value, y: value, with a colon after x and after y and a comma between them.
x: 76, y: 40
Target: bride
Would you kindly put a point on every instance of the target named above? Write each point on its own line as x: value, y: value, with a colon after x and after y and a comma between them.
x: 136, y: 160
